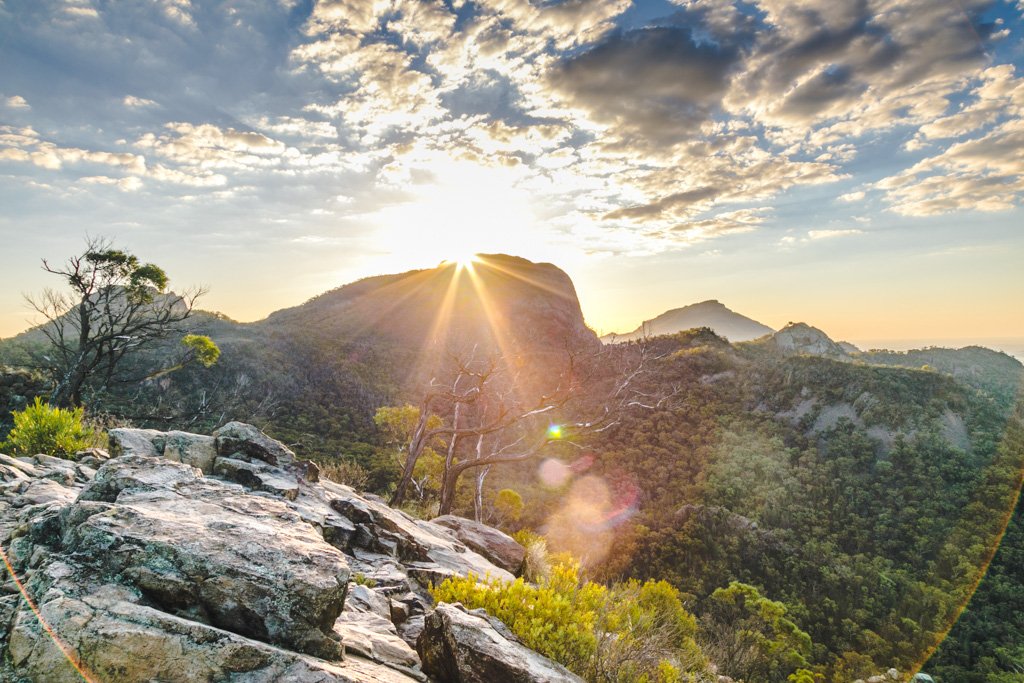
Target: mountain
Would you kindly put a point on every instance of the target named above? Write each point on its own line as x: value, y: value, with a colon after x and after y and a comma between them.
x: 863, y: 493
x: 801, y: 338
x: 496, y: 301
x: 725, y: 322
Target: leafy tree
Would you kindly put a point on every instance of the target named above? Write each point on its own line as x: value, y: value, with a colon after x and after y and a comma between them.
x: 40, y: 428
x: 115, y: 305
x: 508, y: 505
x: 401, y: 426
x: 750, y: 637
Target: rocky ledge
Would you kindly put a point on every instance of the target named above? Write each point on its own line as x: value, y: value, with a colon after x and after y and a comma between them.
x: 187, y: 557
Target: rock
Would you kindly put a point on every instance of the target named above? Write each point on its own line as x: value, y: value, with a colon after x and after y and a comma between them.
x: 92, y: 454
x: 246, y: 442
x: 411, y: 629
x: 257, y: 476
x: 458, y: 647
x: 119, y: 640
x: 801, y: 338
x: 8, y: 474
x: 375, y: 637
x: 426, y: 548
x: 495, y: 545
x: 157, y: 572
x: 363, y: 599
x: 135, y: 442
x: 45, y: 491
x: 203, y: 549
x: 191, y: 449
x: 26, y: 467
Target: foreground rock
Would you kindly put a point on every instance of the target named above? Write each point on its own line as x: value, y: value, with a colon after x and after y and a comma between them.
x: 495, y: 545
x: 457, y: 646
x: 188, y: 557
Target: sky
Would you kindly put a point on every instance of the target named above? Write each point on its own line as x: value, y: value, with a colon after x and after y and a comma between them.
x: 856, y: 165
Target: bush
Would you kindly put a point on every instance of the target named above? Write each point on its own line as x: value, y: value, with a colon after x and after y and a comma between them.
x: 537, y: 564
x: 54, y: 431
x: 629, y: 632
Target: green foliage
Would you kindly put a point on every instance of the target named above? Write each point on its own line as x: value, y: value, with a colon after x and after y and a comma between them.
x: 201, y: 348
x: 53, y: 431
x: 397, y: 425
x: 627, y: 632
x: 508, y: 505
x: 343, y: 471
x: 118, y: 266
x: 361, y: 579
x: 750, y: 637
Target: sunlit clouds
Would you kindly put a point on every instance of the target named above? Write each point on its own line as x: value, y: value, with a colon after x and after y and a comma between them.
x: 585, y: 128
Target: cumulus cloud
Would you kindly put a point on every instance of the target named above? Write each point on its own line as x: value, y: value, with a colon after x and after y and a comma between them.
x: 664, y: 132
x: 133, y: 101
x: 16, y: 102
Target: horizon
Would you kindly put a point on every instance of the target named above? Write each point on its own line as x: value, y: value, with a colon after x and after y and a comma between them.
x: 1009, y: 344
x: 857, y: 168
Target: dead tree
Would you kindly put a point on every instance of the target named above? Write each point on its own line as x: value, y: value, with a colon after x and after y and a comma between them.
x: 507, y: 428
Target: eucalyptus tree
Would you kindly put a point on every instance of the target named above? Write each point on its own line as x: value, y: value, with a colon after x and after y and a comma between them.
x: 112, y: 305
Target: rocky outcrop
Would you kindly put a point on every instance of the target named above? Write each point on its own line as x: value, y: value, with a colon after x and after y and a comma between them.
x: 189, y: 557
x: 800, y: 338
x: 458, y: 646
x: 495, y: 545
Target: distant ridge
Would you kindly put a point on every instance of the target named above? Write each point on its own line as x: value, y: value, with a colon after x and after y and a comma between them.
x: 724, y: 321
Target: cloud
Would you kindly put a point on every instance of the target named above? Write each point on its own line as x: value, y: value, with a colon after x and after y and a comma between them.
x: 16, y: 102
x: 620, y: 132
x: 832, y: 234
x: 133, y: 101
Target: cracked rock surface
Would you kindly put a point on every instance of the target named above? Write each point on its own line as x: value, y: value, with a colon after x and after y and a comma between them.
x: 213, y: 558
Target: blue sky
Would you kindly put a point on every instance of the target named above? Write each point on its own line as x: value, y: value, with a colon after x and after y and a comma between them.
x: 858, y: 165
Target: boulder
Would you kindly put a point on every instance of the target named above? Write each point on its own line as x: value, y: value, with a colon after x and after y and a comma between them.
x: 192, y: 449
x: 425, y: 547
x: 461, y: 647
x: 125, y: 441
x: 495, y: 545
x: 258, y: 477
x: 117, y: 639
x: 205, y: 550
x: 374, y: 637
x: 246, y: 442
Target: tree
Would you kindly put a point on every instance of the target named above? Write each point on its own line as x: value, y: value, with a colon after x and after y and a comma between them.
x: 751, y: 637
x: 116, y: 305
x: 489, y: 405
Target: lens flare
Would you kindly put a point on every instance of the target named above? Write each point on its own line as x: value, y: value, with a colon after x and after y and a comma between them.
x: 554, y: 432
x: 66, y: 650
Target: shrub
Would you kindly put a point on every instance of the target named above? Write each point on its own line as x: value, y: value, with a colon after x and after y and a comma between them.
x: 537, y: 564
x: 508, y: 505
x: 629, y: 632
x: 54, y: 431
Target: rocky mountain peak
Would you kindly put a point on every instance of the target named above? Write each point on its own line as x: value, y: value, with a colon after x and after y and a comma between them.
x: 711, y: 313
x: 801, y: 338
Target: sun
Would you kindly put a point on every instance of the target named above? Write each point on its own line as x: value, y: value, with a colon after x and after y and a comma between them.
x: 462, y: 259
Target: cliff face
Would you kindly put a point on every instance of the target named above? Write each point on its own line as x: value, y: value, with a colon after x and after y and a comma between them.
x: 195, y: 558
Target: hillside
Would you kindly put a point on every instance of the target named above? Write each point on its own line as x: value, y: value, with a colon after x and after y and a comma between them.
x: 711, y: 314
x: 861, y: 494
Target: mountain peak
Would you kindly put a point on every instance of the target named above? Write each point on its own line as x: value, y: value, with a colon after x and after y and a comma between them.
x: 801, y: 338
x: 710, y: 313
